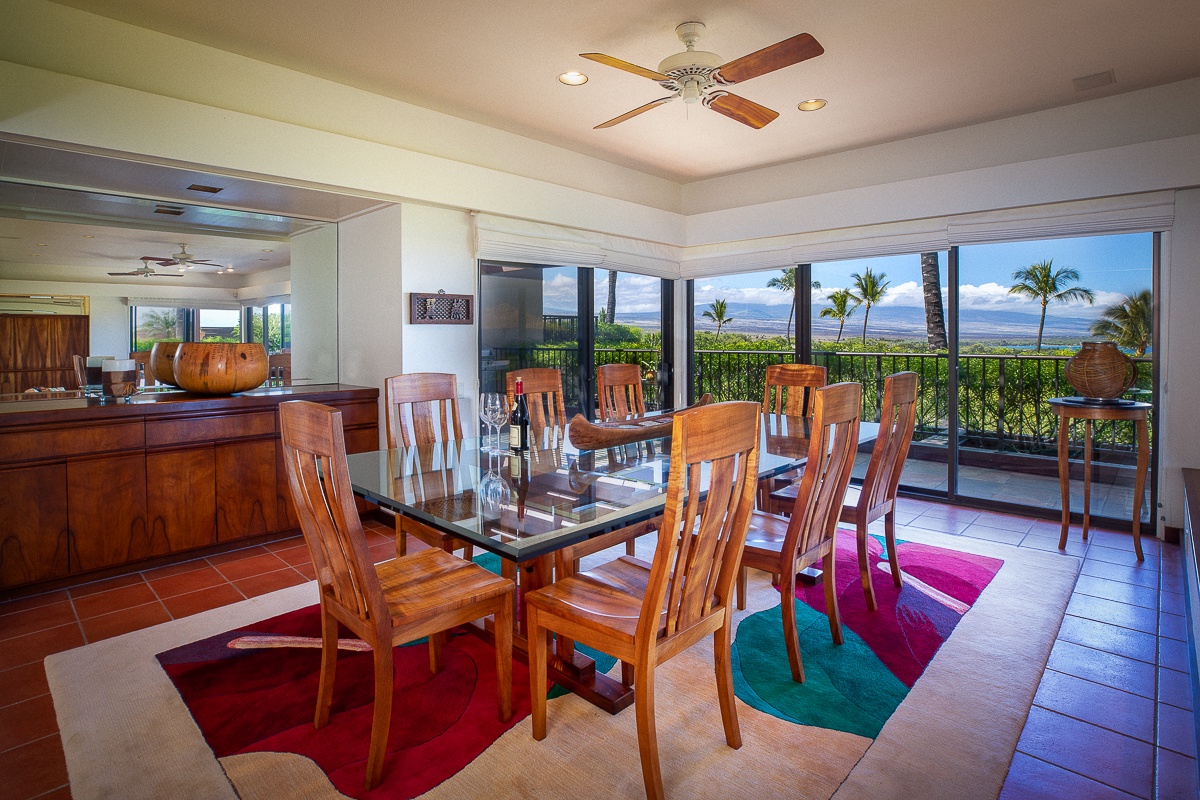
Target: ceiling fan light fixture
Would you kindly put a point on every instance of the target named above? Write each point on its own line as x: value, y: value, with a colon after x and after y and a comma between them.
x: 573, y: 78
x: 816, y: 104
x: 691, y: 91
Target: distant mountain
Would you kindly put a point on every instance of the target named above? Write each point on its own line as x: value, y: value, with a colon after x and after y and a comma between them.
x: 893, y: 322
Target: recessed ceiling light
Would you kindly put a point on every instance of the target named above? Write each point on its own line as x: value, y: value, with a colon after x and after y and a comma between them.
x: 41, y: 244
x: 816, y: 104
x: 573, y: 78
x: 264, y: 259
x: 268, y: 251
x: 88, y: 236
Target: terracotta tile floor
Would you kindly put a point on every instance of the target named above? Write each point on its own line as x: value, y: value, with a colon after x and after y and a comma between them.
x: 1111, y: 719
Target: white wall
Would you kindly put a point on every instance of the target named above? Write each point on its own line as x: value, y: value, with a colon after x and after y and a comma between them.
x: 1179, y: 431
x: 315, y: 305
x: 370, y: 299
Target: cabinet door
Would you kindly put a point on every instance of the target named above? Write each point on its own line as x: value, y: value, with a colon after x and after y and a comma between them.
x: 246, y: 489
x: 286, y: 508
x: 181, y: 498
x: 106, y: 510
x: 33, y: 524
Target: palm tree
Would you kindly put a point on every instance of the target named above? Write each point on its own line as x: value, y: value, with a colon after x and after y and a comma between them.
x: 869, y: 289
x: 935, y: 317
x: 1043, y: 283
x: 716, y: 312
x: 786, y: 283
x: 156, y: 325
x: 844, y: 304
x: 612, y: 295
x: 1129, y: 324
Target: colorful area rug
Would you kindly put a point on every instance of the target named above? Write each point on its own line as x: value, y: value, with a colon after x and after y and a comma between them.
x: 253, y: 689
x: 128, y: 733
x: 855, y: 686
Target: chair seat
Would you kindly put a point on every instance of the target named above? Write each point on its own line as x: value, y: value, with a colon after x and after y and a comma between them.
x: 433, y: 582
x: 609, y: 596
x: 787, y: 497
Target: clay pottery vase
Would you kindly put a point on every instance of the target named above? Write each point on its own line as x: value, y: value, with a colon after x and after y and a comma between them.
x: 220, y: 368
x: 162, y: 362
x: 1100, y: 371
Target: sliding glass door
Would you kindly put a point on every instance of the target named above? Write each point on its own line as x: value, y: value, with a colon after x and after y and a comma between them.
x: 573, y: 319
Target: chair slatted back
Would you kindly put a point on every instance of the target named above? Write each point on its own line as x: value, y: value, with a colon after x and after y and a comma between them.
x: 78, y: 363
x: 896, y: 423
x: 700, y: 543
x: 831, y: 450
x: 314, y: 454
x: 543, y: 395
x: 422, y: 407
x: 145, y: 376
x: 620, y: 388
x: 788, y: 388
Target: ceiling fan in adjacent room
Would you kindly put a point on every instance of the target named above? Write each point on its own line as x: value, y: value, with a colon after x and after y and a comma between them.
x: 699, y: 76
x: 147, y: 271
x: 181, y: 259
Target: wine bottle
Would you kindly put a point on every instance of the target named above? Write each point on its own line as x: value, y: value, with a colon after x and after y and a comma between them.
x: 518, y: 421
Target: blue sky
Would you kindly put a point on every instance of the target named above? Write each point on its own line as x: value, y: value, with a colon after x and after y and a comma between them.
x: 1111, y: 266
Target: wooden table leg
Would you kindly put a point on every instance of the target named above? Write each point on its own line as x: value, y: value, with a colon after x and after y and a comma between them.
x: 1139, y: 483
x: 1088, y: 429
x: 1064, y: 481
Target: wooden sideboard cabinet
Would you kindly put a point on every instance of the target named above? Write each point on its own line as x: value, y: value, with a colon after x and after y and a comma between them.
x: 85, y: 486
x: 36, y: 350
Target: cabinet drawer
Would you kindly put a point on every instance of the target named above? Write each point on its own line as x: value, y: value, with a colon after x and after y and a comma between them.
x: 209, y: 428
x: 36, y: 444
x: 358, y: 413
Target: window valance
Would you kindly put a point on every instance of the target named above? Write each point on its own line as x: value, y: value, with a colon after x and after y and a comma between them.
x: 522, y: 241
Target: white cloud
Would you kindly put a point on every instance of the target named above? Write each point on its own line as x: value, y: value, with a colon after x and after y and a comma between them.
x: 751, y: 294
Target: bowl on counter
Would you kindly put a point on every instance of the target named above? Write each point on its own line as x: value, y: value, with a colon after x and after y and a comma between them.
x: 219, y: 368
x: 162, y: 362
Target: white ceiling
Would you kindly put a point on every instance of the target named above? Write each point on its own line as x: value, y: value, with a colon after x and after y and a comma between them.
x: 890, y: 70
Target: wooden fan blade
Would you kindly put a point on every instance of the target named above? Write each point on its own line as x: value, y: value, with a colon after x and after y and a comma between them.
x: 744, y: 111
x: 635, y: 112
x: 600, y: 58
x: 782, y: 54
x: 166, y: 262
x: 201, y: 261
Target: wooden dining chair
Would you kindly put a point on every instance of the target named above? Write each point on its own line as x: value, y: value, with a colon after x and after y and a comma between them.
x: 423, y: 594
x: 620, y: 393
x: 145, y: 376
x: 782, y: 545
x: 877, y: 496
x: 543, y: 395
x: 646, y: 613
x: 620, y: 390
x: 78, y: 363
x: 787, y: 391
x: 788, y: 388
x: 422, y: 409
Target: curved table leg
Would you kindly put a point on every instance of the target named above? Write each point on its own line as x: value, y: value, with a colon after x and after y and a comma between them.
x: 1088, y: 432
x: 1139, y: 483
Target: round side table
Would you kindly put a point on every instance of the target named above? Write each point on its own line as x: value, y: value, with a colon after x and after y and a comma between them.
x: 1068, y: 409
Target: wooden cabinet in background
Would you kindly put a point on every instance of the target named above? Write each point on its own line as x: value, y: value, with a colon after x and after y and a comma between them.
x: 181, y: 497
x: 36, y: 350
x: 33, y: 521
x: 246, y: 489
x: 106, y: 511
x: 85, y: 486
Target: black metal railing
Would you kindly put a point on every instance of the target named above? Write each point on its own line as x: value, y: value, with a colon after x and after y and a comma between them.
x: 1001, y: 398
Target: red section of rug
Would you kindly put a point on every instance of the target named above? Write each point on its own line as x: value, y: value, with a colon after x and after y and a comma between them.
x: 914, y: 621
x: 262, y: 700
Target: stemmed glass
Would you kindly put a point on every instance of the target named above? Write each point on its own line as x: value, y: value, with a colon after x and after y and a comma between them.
x: 493, y: 410
x: 498, y: 413
x: 494, y: 491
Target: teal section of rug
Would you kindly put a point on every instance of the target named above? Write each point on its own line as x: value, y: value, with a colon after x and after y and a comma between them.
x: 846, y: 687
x: 489, y: 561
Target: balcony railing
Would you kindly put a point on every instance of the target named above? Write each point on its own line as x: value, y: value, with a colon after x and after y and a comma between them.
x: 1001, y: 398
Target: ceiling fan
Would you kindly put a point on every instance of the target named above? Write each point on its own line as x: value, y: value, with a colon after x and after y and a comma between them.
x: 699, y: 76
x: 181, y: 259
x: 147, y: 271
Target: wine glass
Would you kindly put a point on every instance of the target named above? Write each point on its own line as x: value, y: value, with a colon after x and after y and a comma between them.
x: 486, y: 404
x: 494, y: 492
x: 498, y: 413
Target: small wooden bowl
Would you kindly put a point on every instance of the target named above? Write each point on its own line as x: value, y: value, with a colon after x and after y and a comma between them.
x: 219, y: 368
x: 162, y: 362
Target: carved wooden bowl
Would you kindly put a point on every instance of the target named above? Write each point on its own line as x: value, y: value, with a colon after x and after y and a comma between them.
x: 219, y: 368
x: 162, y: 362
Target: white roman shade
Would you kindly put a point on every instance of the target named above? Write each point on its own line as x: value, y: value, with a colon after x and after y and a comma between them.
x: 525, y: 242
x: 224, y: 304
x: 1140, y: 213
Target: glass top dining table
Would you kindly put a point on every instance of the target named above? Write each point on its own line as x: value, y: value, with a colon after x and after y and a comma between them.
x: 525, y: 506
